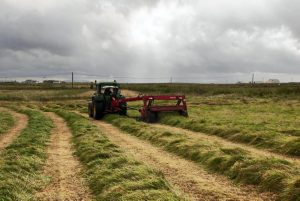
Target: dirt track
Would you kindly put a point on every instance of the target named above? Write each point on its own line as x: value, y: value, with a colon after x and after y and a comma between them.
x: 184, y: 176
x: 21, y: 123
x: 63, y: 168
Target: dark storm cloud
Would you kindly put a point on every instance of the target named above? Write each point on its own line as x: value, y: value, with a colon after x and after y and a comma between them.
x: 147, y: 38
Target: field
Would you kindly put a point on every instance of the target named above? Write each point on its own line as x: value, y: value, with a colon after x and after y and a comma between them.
x: 240, y: 142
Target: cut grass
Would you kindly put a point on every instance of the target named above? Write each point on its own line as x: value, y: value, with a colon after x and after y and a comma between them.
x: 21, y: 162
x: 110, y: 173
x: 263, y: 123
x: 270, y: 174
x: 266, y: 123
x: 7, y: 121
x: 257, y: 90
x: 42, y: 95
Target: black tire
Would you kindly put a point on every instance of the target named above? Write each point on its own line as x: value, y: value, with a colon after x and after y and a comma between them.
x: 151, y: 117
x: 90, y: 109
x: 184, y: 113
x: 98, y: 108
x: 123, y: 107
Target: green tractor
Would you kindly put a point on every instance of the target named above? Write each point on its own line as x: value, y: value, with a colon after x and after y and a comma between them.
x: 107, y: 99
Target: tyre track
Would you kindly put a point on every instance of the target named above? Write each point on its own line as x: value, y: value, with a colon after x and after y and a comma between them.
x: 21, y: 122
x: 62, y: 167
x: 183, y: 175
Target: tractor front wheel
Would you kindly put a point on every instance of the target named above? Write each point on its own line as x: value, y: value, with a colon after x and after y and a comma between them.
x: 98, y: 110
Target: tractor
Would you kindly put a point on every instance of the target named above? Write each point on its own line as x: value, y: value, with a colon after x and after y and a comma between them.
x: 108, y: 99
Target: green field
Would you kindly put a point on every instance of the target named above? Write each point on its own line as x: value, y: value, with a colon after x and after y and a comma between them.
x: 248, y: 134
x: 7, y: 121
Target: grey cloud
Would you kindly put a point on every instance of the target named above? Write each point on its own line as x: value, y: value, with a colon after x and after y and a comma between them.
x: 147, y: 38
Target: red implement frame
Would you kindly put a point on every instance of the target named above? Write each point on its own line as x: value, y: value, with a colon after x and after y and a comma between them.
x: 149, y: 111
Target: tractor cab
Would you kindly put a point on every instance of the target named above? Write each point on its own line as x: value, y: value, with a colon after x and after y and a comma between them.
x: 107, y: 100
x: 108, y: 88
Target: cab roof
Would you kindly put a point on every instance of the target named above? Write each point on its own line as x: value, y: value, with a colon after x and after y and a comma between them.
x: 108, y: 84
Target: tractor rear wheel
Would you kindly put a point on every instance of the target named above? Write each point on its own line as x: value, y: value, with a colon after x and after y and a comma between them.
x: 151, y: 117
x: 98, y: 110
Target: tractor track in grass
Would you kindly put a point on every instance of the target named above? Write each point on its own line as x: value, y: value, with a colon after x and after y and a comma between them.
x: 224, y: 142
x: 21, y: 123
x: 184, y: 176
x: 62, y: 167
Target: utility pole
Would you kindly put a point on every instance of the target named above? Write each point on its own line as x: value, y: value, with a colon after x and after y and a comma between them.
x: 252, y: 78
x: 72, y: 80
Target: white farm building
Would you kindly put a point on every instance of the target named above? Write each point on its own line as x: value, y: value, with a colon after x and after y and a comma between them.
x: 273, y: 81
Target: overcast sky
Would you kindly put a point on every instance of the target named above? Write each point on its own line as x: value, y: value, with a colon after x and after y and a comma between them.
x: 150, y: 40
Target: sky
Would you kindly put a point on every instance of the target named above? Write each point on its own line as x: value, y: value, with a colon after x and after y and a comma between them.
x: 203, y: 41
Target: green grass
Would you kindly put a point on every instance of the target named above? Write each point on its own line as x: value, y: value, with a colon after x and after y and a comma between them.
x: 21, y: 162
x: 74, y: 105
x: 270, y: 174
x: 258, y: 90
x: 42, y: 86
x: 263, y: 123
x: 6, y: 121
x: 110, y: 173
x: 42, y: 95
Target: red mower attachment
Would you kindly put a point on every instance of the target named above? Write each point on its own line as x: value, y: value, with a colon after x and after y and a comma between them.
x: 109, y: 100
x: 149, y: 111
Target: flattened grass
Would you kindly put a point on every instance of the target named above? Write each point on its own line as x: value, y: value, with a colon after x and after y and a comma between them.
x: 270, y: 174
x: 21, y: 162
x: 42, y: 95
x: 262, y: 123
x: 6, y: 121
x: 111, y: 174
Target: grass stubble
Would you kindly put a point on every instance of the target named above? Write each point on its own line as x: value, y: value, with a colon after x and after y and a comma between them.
x: 268, y: 173
x: 110, y: 173
x: 22, y: 161
x: 7, y: 121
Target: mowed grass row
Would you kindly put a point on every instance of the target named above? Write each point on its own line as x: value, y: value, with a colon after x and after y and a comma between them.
x: 263, y: 123
x: 7, y: 121
x: 110, y: 173
x: 270, y: 124
x: 270, y: 174
x: 42, y: 95
x: 21, y: 162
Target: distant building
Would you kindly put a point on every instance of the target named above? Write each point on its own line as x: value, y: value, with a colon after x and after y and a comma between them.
x: 51, y: 81
x: 273, y: 81
x: 30, y: 81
